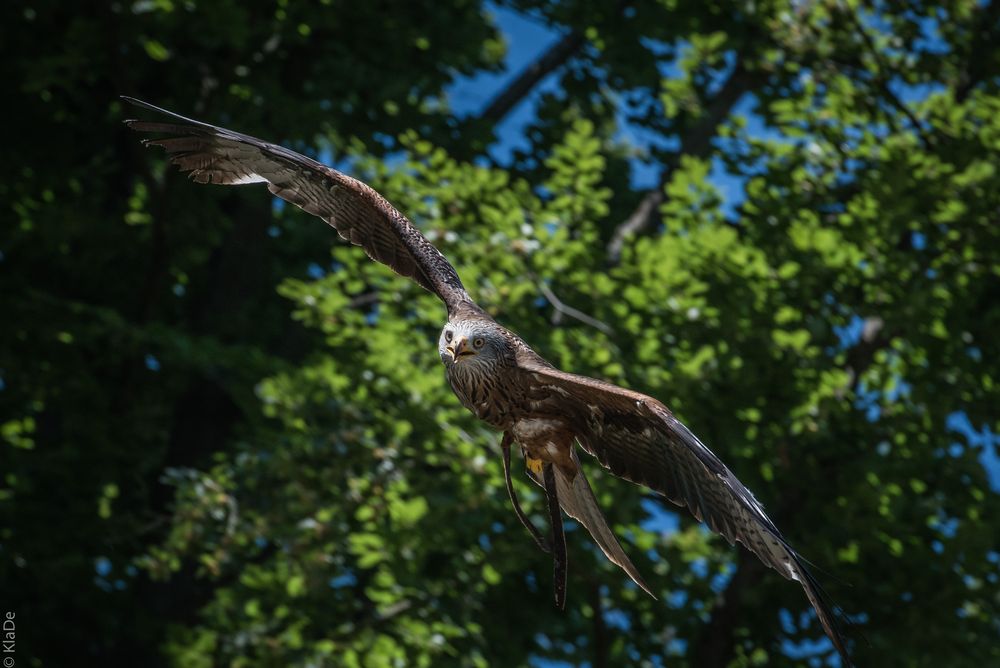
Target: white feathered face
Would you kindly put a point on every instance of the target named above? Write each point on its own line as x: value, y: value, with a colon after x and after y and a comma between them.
x: 469, y: 342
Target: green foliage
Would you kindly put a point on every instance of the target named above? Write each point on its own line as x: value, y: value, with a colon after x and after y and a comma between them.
x: 211, y: 454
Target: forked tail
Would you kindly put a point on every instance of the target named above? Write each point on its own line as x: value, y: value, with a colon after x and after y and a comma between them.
x: 578, y: 501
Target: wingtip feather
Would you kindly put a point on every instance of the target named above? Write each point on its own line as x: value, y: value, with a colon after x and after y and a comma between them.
x: 828, y: 614
x: 160, y: 110
x: 142, y: 103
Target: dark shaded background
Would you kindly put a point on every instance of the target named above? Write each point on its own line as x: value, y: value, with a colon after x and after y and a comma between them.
x: 785, y: 212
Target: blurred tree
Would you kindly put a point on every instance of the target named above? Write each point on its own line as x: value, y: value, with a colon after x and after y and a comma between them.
x: 198, y: 469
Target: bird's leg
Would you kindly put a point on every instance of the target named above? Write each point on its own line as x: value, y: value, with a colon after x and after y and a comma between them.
x: 558, y: 537
x: 535, y: 533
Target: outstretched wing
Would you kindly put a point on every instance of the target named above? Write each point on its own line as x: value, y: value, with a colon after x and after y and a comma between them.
x: 637, y: 438
x: 360, y: 215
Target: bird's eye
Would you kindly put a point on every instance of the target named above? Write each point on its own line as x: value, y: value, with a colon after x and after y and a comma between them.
x: 448, y: 335
x: 478, y: 342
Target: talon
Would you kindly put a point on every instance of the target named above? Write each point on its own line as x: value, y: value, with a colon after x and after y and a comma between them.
x: 534, y: 465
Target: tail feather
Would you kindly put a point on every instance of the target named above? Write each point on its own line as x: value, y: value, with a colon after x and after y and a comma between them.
x: 578, y: 501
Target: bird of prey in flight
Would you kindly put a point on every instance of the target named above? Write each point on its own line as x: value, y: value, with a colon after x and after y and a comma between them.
x: 497, y: 376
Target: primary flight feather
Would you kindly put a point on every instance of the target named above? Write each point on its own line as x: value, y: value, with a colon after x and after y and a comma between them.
x: 498, y: 377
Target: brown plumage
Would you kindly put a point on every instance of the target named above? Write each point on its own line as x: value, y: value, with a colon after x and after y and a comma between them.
x: 500, y: 378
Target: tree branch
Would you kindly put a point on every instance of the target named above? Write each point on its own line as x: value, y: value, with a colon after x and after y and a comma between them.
x: 984, y: 35
x: 373, y: 618
x: 696, y: 142
x: 600, y: 637
x: 576, y: 314
x: 883, y: 81
x: 716, y: 647
x: 862, y: 355
x: 556, y: 56
x: 516, y: 90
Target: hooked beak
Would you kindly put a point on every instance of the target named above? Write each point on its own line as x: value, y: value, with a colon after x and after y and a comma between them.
x: 460, y: 348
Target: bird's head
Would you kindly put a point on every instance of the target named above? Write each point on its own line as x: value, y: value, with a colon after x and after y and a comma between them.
x: 471, y: 342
